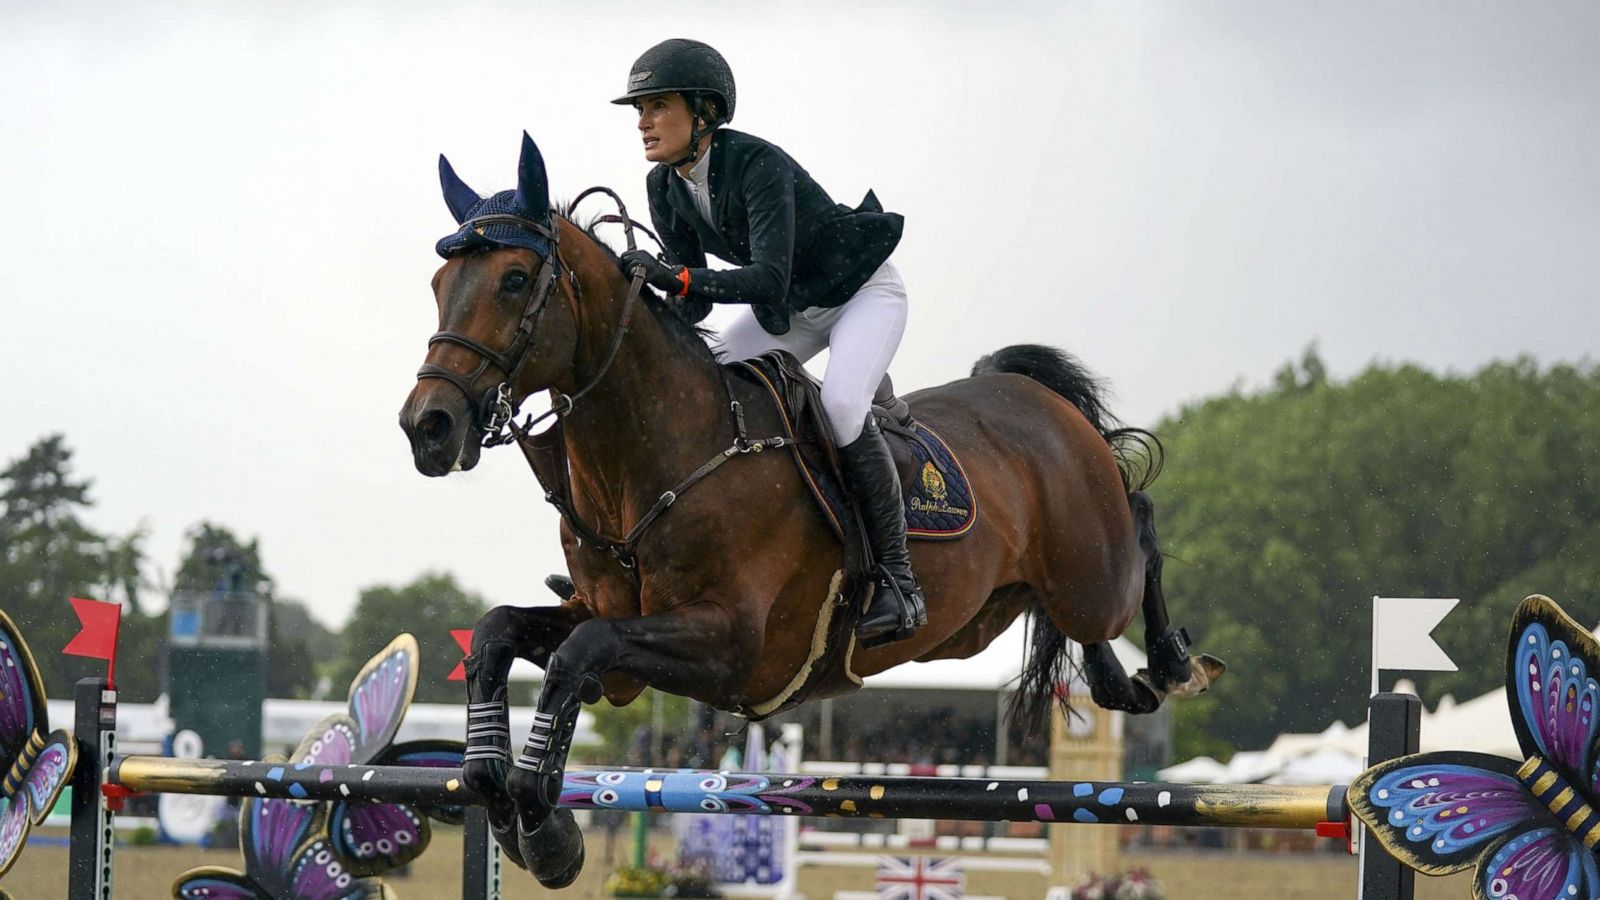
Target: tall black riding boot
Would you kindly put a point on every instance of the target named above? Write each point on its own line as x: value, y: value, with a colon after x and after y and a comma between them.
x: 896, y: 609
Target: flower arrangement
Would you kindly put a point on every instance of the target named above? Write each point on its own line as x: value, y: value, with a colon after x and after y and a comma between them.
x: 635, y: 881
x: 655, y: 881
x: 1135, y: 884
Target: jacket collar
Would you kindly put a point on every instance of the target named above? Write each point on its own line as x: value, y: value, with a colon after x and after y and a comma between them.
x: 719, y: 164
x: 700, y: 172
x: 679, y: 199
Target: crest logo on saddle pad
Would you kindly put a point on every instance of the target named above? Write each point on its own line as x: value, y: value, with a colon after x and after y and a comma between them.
x: 929, y: 508
x: 933, y: 483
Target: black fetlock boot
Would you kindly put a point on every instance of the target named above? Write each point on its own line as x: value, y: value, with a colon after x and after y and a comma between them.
x: 896, y: 609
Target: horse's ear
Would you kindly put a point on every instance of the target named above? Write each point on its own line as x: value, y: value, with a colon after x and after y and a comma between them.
x: 460, y: 198
x: 533, y: 186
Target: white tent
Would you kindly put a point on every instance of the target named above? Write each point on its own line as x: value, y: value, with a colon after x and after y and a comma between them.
x: 1324, y: 765
x: 994, y: 669
x: 1200, y: 770
x: 141, y: 727
x: 285, y: 722
x: 1335, y: 756
x: 144, y: 727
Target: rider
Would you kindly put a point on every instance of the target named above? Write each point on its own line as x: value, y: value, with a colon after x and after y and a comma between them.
x: 811, y: 274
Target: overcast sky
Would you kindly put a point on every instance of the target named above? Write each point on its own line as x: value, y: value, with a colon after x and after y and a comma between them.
x: 218, y: 221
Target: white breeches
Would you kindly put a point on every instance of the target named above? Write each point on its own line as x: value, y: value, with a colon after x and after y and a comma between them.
x: 861, y: 336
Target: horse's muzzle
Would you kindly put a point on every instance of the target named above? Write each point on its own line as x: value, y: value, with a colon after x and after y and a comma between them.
x: 440, y: 432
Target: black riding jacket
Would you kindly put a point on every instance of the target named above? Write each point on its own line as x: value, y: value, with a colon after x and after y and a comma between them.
x: 797, y: 249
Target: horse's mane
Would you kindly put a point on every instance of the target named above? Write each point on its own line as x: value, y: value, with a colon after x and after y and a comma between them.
x: 690, y: 337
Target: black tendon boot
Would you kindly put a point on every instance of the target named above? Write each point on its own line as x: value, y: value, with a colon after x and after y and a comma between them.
x: 896, y: 609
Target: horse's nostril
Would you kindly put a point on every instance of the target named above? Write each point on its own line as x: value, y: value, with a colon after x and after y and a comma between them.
x: 434, y: 426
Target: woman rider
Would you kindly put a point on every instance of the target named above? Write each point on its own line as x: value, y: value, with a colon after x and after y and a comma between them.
x: 811, y: 274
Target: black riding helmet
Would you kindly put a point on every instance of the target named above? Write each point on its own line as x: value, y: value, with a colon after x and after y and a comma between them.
x: 691, y: 68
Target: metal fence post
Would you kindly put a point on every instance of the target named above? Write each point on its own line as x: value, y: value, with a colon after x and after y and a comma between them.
x: 95, y: 730
x: 480, y: 858
x: 1394, y: 729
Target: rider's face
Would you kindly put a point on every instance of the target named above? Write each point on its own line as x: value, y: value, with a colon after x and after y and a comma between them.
x: 665, y: 125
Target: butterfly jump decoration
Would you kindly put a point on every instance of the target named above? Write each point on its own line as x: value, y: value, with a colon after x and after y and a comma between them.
x: 36, y: 765
x: 1531, y: 827
x: 296, y: 850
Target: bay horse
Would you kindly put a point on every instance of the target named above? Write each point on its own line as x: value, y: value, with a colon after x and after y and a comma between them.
x: 718, y: 591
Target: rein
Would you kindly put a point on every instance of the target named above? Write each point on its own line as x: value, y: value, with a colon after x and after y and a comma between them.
x: 495, y: 414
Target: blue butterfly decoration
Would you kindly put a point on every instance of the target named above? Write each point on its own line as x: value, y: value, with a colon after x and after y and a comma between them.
x: 357, y: 838
x: 36, y: 765
x: 1530, y: 827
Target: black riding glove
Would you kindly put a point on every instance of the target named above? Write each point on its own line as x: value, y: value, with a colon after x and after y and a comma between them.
x: 657, y: 274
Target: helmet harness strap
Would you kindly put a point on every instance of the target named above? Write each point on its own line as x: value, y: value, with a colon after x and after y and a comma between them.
x: 692, y: 100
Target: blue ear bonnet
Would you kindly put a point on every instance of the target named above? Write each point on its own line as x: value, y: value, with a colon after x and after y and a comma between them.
x: 530, y: 200
x: 485, y: 236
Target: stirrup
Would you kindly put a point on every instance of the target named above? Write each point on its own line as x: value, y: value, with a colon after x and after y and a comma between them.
x: 912, y: 612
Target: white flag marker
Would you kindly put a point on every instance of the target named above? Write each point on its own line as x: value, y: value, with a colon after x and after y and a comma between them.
x: 1402, y: 634
x: 1402, y: 638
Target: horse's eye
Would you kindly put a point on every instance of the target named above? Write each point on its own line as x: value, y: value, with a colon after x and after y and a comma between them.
x: 514, y: 281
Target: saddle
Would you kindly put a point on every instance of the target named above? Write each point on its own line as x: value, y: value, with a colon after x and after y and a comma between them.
x: 938, y: 497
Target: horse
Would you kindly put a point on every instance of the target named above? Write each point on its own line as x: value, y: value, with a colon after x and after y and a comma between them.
x: 718, y: 588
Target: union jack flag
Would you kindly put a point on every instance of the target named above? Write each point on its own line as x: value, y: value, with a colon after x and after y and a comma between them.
x: 920, y: 878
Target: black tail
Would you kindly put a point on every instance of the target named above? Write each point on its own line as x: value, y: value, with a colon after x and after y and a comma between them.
x: 1046, y: 672
x: 1139, y: 453
x: 1049, y: 666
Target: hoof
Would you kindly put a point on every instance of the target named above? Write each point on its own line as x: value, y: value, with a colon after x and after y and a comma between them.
x: 503, y: 825
x: 553, y: 850
x: 1203, y: 670
x: 1136, y: 695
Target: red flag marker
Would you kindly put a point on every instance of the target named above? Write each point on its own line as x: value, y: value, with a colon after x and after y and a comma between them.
x: 463, y: 638
x: 98, y: 639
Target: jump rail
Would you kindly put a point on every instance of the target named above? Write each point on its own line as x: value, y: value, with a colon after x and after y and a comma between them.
x: 103, y: 777
x: 696, y: 791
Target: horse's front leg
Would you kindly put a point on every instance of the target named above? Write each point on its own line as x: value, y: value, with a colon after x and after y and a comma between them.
x: 690, y: 650
x: 502, y: 635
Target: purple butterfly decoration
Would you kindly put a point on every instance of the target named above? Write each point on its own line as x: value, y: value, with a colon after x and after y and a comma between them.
x: 287, y: 855
x: 291, y: 847
x: 36, y: 765
x: 1532, y: 827
x: 371, y: 838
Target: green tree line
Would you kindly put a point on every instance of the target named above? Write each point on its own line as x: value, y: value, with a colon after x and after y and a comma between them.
x: 48, y: 554
x: 1284, y: 511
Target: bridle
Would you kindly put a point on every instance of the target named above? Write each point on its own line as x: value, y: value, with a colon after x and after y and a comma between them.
x: 494, y: 411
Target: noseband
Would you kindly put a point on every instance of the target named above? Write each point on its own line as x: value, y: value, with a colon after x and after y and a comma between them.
x: 493, y: 409
x: 494, y: 412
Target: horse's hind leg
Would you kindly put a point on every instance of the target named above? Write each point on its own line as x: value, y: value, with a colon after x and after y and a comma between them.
x: 1109, y: 684
x: 1167, y: 647
x: 1171, y: 668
